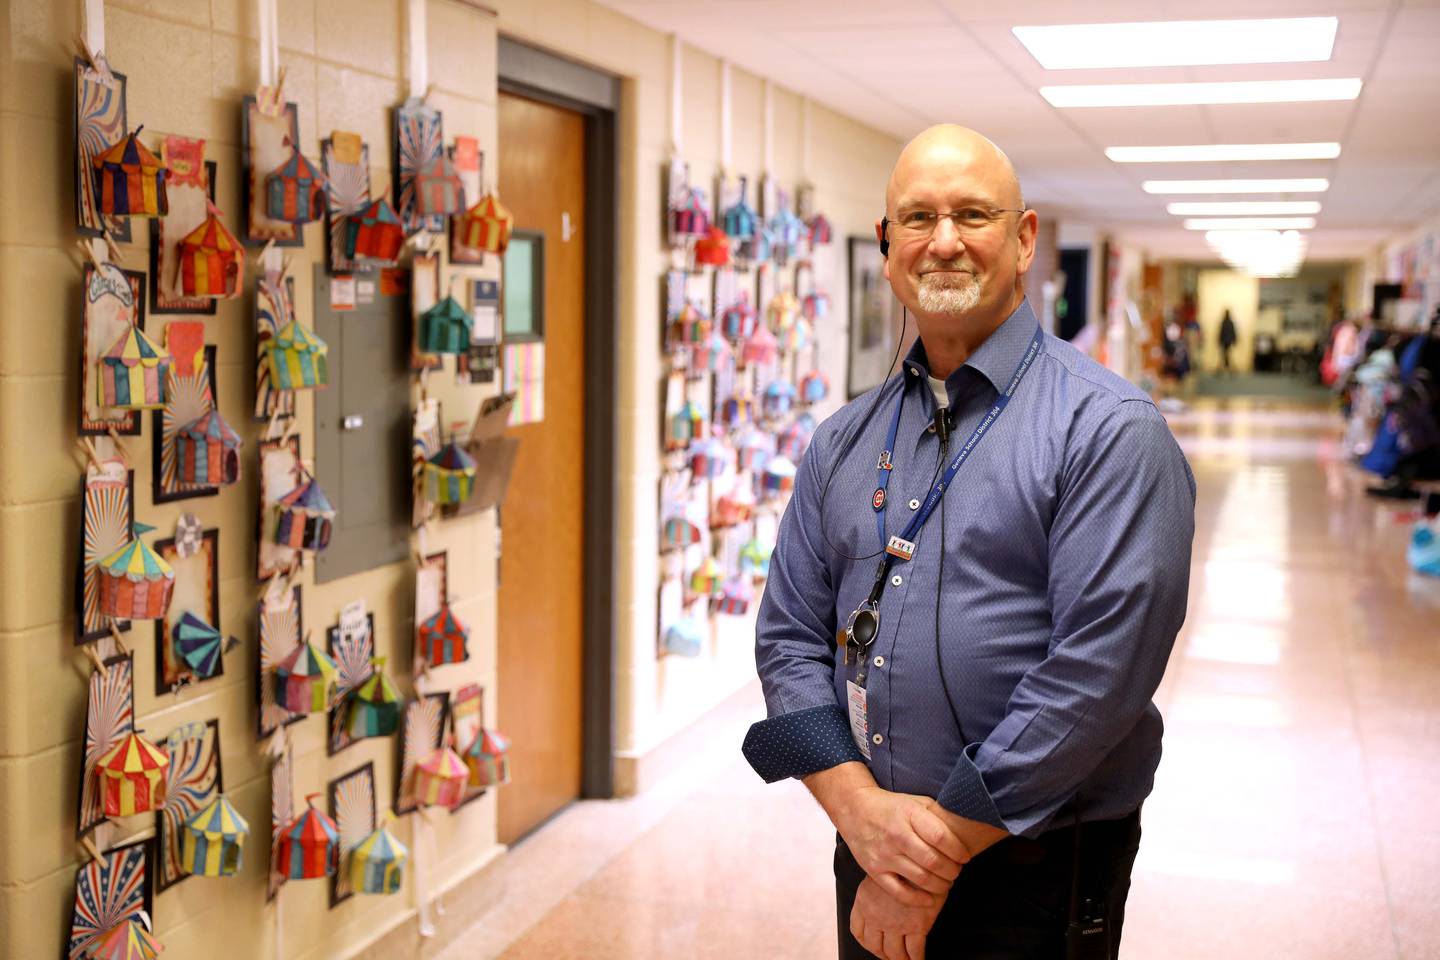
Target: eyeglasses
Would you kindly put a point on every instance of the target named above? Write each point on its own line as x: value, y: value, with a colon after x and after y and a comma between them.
x: 968, y: 222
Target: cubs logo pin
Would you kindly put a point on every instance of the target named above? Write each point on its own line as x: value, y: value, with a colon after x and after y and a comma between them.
x: 878, y: 501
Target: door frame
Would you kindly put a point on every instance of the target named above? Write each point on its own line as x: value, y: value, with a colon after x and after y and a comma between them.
x: 539, y: 75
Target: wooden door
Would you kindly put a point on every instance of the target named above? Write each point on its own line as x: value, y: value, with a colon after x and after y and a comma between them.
x: 542, y: 181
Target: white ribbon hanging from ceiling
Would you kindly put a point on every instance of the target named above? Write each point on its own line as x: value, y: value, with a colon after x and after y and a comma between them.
x: 726, y: 132
x: 269, y: 20
x: 768, y: 140
x: 94, y: 27
x: 419, y: 59
x: 677, y: 89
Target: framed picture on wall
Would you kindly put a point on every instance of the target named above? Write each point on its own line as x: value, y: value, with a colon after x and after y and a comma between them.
x: 875, y: 318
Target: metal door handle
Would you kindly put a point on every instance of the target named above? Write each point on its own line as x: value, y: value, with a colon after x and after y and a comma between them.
x: 352, y: 422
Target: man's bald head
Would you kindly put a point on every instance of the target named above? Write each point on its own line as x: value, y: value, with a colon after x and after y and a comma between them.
x: 951, y: 146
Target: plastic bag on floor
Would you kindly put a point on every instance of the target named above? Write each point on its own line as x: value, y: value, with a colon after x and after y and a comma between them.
x: 1424, y: 550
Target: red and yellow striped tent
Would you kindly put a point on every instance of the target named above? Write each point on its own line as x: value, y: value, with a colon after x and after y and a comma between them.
x: 130, y: 180
x: 132, y: 776
x: 211, y: 261
x: 485, y: 227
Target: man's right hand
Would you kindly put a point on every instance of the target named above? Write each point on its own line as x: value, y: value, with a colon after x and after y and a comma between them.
x: 897, y: 840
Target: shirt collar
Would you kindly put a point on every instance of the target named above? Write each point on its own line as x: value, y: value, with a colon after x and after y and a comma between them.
x: 996, y: 359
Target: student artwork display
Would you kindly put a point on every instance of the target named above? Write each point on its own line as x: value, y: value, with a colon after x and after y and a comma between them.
x: 304, y: 517
x: 426, y: 291
x: 377, y: 863
x: 196, y: 595
x: 214, y: 843
x: 211, y: 261
x: 191, y: 190
x: 374, y: 709
x: 440, y: 779
x: 297, y: 358
x: 208, y: 451
x: 282, y: 812
x: 134, y: 373
x: 129, y: 179
x: 191, y: 393
x: 352, y: 650
x: 279, y: 469
x: 484, y: 228
x: 109, y: 718
x: 193, y: 781
x: 305, y: 680
x: 295, y: 190
x: 423, y: 734
x: 282, y: 630
x: 374, y: 235
x: 132, y: 776
x: 352, y: 806
x: 419, y: 143
x: 112, y: 306
x: 439, y: 191
x: 108, y: 516
x: 488, y: 758
x: 100, y: 121
x: 135, y: 582
x: 469, y: 166
x: 130, y: 940
x: 268, y: 130
x: 274, y: 312
x: 442, y: 638
x: 449, y: 476
x: 467, y: 716
x: 109, y: 891
x: 445, y: 328
x: 309, y: 846
x: 346, y: 164
x: 424, y: 444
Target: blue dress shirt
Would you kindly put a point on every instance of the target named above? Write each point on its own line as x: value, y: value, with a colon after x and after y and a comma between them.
x: 1066, y: 563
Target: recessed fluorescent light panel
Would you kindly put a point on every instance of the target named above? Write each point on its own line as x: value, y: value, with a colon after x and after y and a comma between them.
x: 1244, y: 208
x: 1312, y: 185
x: 1177, y: 94
x: 1180, y: 43
x: 1250, y: 223
x: 1223, y: 152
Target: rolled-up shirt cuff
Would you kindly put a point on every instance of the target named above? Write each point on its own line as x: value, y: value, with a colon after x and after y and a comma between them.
x: 800, y: 743
x: 965, y: 794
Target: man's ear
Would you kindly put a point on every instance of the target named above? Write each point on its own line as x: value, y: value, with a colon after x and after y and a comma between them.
x: 1029, y: 227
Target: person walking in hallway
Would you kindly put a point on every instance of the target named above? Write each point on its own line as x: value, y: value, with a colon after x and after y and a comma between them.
x: 1228, y: 336
x: 963, y: 677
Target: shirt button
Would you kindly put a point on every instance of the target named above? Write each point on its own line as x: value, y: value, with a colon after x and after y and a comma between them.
x: 930, y: 429
x: 877, y: 739
x: 896, y: 580
x: 913, y: 371
x: 914, y: 504
x: 879, y: 661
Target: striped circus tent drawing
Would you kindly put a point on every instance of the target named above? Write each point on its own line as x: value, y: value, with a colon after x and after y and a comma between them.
x: 440, y: 779
x: 375, y: 705
x: 295, y: 191
x: 445, y: 328
x: 215, y: 840
x: 779, y: 476
x: 303, y: 517
x: 130, y: 180
x: 376, y: 864
x: 208, y: 451
x: 449, y: 475
x: 132, y: 776
x: 133, y: 373
x: 707, y: 578
x: 374, y: 235
x: 211, y: 261
x: 488, y: 759
x: 485, y: 227
x: 309, y: 846
x: 135, y: 582
x: 438, y: 188
x: 298, y: 358
x: 198, y: 644
x: 127, y: 940
x: 304, y: 680
x: 682, y: 638
x: 443, y: 638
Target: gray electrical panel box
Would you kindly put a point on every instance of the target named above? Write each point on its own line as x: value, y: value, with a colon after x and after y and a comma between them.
x: 362, y: 428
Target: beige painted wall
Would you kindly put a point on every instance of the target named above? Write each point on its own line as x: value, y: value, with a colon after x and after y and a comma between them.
x: 1216, y: 291
x: 189, y: 62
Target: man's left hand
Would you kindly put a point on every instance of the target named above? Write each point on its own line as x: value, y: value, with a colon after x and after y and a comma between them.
x: 888, y: 928
x: 975, y: 835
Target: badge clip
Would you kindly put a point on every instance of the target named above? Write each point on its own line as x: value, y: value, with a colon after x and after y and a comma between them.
x: 900, y: 547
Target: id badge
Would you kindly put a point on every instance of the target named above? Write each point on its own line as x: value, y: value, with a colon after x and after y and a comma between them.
x: 859, y: 717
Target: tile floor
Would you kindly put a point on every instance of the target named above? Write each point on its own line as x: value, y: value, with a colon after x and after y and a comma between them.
x: 1294, y: 815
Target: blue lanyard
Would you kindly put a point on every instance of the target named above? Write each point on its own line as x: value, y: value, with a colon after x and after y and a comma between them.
x: 902, y: 547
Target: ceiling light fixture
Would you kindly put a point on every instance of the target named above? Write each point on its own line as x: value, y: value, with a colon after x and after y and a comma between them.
x: 1221, y: 152
x: 1179, y: 43
x: 1242, y: 208
x: 1310, y: 185
x: 1179, y: 94
x: 1251, y: 223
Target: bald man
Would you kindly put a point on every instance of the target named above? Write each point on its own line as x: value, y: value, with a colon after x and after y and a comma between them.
x: 974, y: 593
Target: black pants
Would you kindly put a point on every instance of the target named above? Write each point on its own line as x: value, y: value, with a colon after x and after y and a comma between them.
x: 1013, y: 901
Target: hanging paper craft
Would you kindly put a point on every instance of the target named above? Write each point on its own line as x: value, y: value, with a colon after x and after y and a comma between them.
x: 269, y: 130
x: 309, y: 846
x: 678, y: 531
x: 109, y: 718
x: 449, y: 475
x: 683, y: 638
x: 190, y: 188
x: 130, y: 180
x: 756, y: 450
x: 735, y: 597
x: 814, y: 386
x: 279, y: 471
x: 438, y: 190
x: 113, y: 305
x: 133, y: 373
x: 737, y: 411
x: 440, y: 779
x: 820, y: 231
x: 374, y: 235
x: 135, y: 582
x: 304, y: 680
x: 295, y: 190
x: 740, y: 220
x: 281, y: 619
x: 778, y: 399
x: 198, y: 645
x: 209, y: 452
x: 755, y: 558
x: 346, y: 161
x: 377, y: 863
x: 738, y: 320
x: 793, y: 441
x: 709, y: 459
x: 690, y: 217
x: 297, y: 358
x: 468, y: 160
x: 432, y: 586
x: 488, y: 758
x: 733, y: 508
x: 707, y: 578
x: 352, y: 648
x: 815, y: 306
x: 713, y: 249
x: 303, y: 517
x: 787, y: 231
x: 196, y: 593
x: 686, y: 426
x: 100, y: 120
x: 192, y: 781
x: 211, y: 261
x: 782, y: 313
x: 419, y: 142
x: 375, y: 705
x: 274, y: 312
x: 109, y: 892
x: 352, y: 805
x: 798, y: 337
x: 282, y: 811
x: 424, y: 732
x: 691, y: 326
x: 761, y: 348
x: 779, y: 476
x: 108, y: 518
x: 215, y: 840
x: 485, y: 227
x: 127, y: 941
x: 443, y: 638
x: 132, y: 776
x: 445, y: 328
x: 713, y: 355
x: 190, y: 392
x: 425, y: 441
